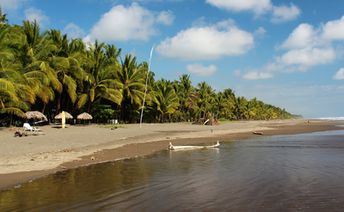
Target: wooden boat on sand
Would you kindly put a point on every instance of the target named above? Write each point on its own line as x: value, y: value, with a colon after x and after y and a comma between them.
x: 171, y: 147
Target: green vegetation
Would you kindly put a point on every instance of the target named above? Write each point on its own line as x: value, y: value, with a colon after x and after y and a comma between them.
x: 50, y: 72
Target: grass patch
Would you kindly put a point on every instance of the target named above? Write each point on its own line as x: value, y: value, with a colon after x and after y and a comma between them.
x: 224, y: 121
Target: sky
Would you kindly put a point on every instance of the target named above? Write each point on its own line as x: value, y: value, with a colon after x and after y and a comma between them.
x: 286, y: 53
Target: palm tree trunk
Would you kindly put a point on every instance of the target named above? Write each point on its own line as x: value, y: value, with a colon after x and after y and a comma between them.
x: 89, y: 107
x: 43, y: 109
x: 58, y: 106
x: 123, y: 116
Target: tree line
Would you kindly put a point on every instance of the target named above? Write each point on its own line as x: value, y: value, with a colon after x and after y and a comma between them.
x: 49, y: 72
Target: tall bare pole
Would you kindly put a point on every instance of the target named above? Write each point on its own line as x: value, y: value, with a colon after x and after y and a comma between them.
x: 144, y: 96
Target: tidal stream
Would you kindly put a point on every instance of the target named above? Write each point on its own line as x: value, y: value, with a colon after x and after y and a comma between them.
x: 302, y: 172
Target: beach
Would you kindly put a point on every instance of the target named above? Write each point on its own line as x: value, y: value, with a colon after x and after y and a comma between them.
x: 29, y: 157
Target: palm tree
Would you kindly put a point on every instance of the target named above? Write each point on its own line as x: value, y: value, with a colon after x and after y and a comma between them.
x: 15, y: 93
x: 112, y: 54
x: 12, y: 98
x: 66, y: 66
x: 6, y: 52
x: 166, y: 99
x: 3, y: 19
x: 186, y: 95
x: 100, y: 80
x: 205, y: 99
x: 228, y: 104
x: 132, y: 77
x: 34, y: 54
x: 241, y: 110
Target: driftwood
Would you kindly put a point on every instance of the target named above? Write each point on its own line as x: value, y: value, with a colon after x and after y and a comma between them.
x: 21, y: 133
x: 171, y: 147
x: 258, y: 133
x: 203, y: 121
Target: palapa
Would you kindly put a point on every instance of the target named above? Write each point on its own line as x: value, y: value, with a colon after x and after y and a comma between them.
x: 84, y: 116
x: 68, y: 116
x: 35, y: 115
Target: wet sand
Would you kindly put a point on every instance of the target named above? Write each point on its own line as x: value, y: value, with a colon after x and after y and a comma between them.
x: 26, y: 158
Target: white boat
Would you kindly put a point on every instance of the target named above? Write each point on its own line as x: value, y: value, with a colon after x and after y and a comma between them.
x: 171, y: 147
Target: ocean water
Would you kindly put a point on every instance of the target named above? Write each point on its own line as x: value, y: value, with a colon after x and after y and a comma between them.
x: 302, y: 172
x: 338, y: 118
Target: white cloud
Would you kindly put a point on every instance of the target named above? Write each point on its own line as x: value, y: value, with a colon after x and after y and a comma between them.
x: 255, y: 75
x: 260, y: 32
x: 88, y: 41
x: 201, y: 70
x: 201, y: 21
x: 73, y: 31
x: 11, y: 4
x: 308, y: 57
x: 166, y: 18
x: 306, y: 47
x: 291, y: 61
x: 34, y: 14
x: 302, y: 36
x: 267, y: 72
x: 284, y: 13
x: 128, y: 23
x: 334, y: 30
x: 339, y: 75
x: 207, y: 42
x: 257, y: 6
x: 279, y: 14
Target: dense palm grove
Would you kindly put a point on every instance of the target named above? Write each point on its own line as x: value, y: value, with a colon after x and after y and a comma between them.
x: 50, y: 72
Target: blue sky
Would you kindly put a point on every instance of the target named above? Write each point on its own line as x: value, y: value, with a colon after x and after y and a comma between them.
x: 286, y: 53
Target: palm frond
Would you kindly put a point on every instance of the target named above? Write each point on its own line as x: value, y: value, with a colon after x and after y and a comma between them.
x: 13, y: 111
x: 70, y: 84
x: 82, y: 100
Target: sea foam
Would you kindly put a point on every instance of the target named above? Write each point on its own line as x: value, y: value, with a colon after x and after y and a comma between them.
x: 331, y: 118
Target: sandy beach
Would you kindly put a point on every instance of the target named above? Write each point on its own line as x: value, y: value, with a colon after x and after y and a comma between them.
x: 26, y: 158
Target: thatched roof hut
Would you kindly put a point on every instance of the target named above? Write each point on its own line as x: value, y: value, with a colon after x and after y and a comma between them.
x: 84, y: 116
x: 68, y: 116
x: 35, y: 115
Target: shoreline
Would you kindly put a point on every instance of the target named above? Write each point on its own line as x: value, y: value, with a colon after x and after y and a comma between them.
x: 147, y: 143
